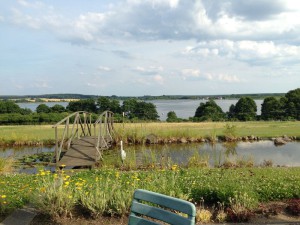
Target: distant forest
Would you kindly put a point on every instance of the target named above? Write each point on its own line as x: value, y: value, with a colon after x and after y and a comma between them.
x: 39, y: 98
x: 132, y: 109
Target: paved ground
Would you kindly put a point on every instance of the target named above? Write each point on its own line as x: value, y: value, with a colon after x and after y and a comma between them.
x: 20, y: 217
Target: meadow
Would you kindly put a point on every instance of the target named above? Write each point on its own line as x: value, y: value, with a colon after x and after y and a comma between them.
x: 44, y: 134
x: 108, y: 192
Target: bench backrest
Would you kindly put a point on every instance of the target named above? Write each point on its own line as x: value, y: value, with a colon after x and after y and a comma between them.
x: 147, y: 204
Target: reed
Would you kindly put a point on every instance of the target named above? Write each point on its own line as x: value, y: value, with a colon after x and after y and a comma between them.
x: 6, y: 165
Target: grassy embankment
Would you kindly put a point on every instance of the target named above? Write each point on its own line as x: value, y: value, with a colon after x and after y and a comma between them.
x: 109, y: 191
x: 31, y: 135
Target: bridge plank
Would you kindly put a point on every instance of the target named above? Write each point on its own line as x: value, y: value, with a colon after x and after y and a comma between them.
x: 81, y: 153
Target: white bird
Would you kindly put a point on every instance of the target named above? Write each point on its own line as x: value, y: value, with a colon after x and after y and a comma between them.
x: 123, y: 153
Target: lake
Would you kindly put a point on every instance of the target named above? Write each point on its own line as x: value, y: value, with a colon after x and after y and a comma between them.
x: 183, y: 108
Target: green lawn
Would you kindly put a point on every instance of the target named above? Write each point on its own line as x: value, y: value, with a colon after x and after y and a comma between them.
x: 45, y: 133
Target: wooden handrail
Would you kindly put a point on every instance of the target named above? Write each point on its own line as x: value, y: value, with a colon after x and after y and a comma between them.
x: 67, y: 136
x: 104, y: 132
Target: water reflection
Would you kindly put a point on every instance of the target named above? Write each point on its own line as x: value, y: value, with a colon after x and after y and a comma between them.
x: 18, y: 152
x: 285, y: 155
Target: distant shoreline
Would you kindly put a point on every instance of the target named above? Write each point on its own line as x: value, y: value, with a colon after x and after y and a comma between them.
x: 76, y: 97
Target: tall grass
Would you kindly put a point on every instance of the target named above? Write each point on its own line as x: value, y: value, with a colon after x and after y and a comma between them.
x: 109, y: 191
x: 6, y: 165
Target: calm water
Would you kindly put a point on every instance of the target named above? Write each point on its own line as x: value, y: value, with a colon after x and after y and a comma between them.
x: 183, y: 108
x: 286, y: 155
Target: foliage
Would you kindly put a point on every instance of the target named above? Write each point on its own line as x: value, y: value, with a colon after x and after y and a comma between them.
x: 292, y: 104
x: 139, y: 109
x: 82, y: 105
x: 172, y: 117
x: 209, y: 111
x: 43, y: 108
x: 54, y: 194
x: 6, y: 165
x: 245, y: 109
x: 109, y: 191
x: 271, y: 109
x: 105, y: 103
x: 230, y: 130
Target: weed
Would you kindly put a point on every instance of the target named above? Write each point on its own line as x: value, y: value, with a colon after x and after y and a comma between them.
x: 6, y: 165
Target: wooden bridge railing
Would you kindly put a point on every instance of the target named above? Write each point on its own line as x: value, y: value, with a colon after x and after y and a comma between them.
x: 82, y: 126
x: 103, y: 129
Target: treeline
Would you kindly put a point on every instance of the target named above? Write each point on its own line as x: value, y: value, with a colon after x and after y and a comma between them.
x: 286, y: 107
x: 130, y: 110
x: 283, y: 108
x: 38, y: 98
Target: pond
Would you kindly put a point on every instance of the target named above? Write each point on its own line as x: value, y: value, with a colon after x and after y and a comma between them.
x: 258, y: 152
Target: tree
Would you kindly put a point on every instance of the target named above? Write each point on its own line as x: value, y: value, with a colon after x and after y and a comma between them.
x: 58, y: 108
x: 231, y: 112
x: 245, y: 109
x: 9, y: 107
x: 271, y: 109
x: 104, y: 103
x: 292, y: 105
x: 209, y: 111
x: 139, y: 109
x: 88, y: 105
x: 172, y: 117
x: 43, y: 108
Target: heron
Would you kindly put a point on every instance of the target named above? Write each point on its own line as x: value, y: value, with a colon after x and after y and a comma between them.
x: 123, y: 153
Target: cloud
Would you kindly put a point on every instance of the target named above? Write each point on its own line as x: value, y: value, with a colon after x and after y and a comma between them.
x: 256, y: 9
x: 104, y: 68
x: 149, y: 20
x: 252, y: 52
x: 123, y: 54
x: 151, y: 70
x: 195, y: 75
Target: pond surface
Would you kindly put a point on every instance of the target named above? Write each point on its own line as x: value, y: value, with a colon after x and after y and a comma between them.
x: 258, y: 152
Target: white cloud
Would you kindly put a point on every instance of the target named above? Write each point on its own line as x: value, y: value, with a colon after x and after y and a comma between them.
x: 195, y: 74
x: 248, y: 51
x: 151, y: 70
x: 228, y: 78
x: 104, y: 68
x: 169, y: 19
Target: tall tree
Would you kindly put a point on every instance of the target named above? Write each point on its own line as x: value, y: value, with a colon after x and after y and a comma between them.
x: 9, y: 107
x: 104, y: 103
x: 209, y: 111
x: 271, y: 109
x: 292, y: 105
x: 43, y: 108
x: 88, y: 105
x: 245, y: 109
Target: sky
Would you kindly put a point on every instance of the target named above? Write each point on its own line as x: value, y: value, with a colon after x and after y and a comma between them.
x: 149, y: 47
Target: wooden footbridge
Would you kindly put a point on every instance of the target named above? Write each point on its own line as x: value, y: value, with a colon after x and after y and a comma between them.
x: 79, y: 142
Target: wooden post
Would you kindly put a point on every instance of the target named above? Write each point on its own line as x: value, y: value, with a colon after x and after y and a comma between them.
x: 56, y: 145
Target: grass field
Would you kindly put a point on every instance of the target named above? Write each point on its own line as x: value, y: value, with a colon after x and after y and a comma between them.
x: 45, y: 133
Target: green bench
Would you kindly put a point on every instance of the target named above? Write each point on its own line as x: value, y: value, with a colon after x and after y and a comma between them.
x: 159, y: 207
